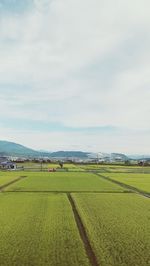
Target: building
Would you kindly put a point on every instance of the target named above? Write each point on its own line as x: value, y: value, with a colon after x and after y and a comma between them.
x: 5, y: 164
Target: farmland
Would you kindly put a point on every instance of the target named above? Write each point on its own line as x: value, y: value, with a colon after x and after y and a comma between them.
x: 117, y: 226
x: 133, y: 169
x: 34, y: 231
x: 63, y: 182
x: 139, y: 181
x: 45, y: 166
x: 74, y: 218
x: 6, y: 177
x: 115, y: 168
x: 71, y: 167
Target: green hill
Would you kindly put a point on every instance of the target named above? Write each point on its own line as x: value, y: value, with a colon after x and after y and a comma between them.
x: 13, y: 149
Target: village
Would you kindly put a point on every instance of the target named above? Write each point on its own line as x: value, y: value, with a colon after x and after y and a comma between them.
x: 11, y: 163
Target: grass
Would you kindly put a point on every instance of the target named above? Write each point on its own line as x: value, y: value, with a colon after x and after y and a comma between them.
x: 139, y: 181
x: 63, y: 182
x: 71, y: 166
x: 46, y: 166
x: 39, y: 229
x: 116, y: 168
x: 33, y: 165
x: 94, y: 167
x: 131, y: 169
x: 6, y: 177
x: 117, y: 226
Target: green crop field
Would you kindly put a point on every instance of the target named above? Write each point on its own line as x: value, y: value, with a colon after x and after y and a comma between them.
x: 38, y: 164
x: 115, y: 168
x: 6, y: 177
x: 69, y: 218
x: 139, y: 181
x: 94, y: 167
x: 39, y: 229
x: 63, y: 182
x: 118, y: 227
x: 72, y: 167
x: 127, y: 169
x: 46, y: 166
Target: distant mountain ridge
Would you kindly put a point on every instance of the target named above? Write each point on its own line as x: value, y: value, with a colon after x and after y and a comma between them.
x: 65, y: 154
x: 110, y: 156
x: 119, y: 156
x: 8, y: 148
x: 140, y: 157
x: 13, y: 149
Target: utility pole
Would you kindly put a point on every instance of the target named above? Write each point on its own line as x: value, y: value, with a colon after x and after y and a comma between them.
x: 97, y: 158
x: 143, y: 163
x: 41, y: 165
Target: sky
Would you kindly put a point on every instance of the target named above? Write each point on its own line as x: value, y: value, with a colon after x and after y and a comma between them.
x: 75, y: 75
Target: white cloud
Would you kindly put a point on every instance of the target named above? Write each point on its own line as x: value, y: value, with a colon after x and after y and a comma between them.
x: 92, y: 142
x: 79, y: 63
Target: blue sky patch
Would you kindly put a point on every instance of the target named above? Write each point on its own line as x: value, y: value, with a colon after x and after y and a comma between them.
x: 15, y: 6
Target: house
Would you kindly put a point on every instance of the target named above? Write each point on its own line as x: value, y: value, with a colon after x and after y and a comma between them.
x: 5, y: 164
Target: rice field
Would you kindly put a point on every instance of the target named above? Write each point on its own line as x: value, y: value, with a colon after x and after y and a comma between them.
x: 74, y: 218
x: 45, y: 166
x: 139, y: 181
x: 133, y: 169
x: 63, y: 182
x: 34, y: 231
x: 6, y: 177
x: 118, y: 227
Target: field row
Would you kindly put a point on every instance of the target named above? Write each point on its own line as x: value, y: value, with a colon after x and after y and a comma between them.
x: 60, y: 182
x: 139, y: 181
x: 85, y: 167
x: 40, y: 229
x: 117, y: 226
x: 73, y: 182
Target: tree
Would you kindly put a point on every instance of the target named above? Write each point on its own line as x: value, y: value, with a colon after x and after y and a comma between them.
x: 127, y: 162
x: 61, y: 164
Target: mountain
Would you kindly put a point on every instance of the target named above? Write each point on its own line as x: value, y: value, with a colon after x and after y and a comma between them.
x: 119, y: 156
x: 109, y: 156
x: 98, y: 155
x: 68, y: 154
x: 140, y: 157
x: 13, y: 149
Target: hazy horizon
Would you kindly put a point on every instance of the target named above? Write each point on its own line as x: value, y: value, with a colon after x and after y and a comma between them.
x: 79, y: 150
x: 75, y: 75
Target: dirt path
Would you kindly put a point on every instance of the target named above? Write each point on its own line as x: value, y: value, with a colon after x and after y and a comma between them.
x: 89, y: 251
x: 132, y: 189
x: 11, y: 182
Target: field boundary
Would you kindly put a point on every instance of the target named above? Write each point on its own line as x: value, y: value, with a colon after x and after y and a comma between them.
x: 69, y: 191
x: 11, y: 182
x: 131, y: 188
x: 88, y: 248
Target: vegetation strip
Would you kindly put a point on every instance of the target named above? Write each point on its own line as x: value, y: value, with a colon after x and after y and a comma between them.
x: 11, y: 182
x: 71, y: 191
x: 147, y: 195
x: 83, y: 234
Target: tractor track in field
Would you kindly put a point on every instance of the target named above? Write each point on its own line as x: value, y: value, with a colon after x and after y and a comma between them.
x: 11, y: 182
x: 131, y: 188
x: 88, y: 248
